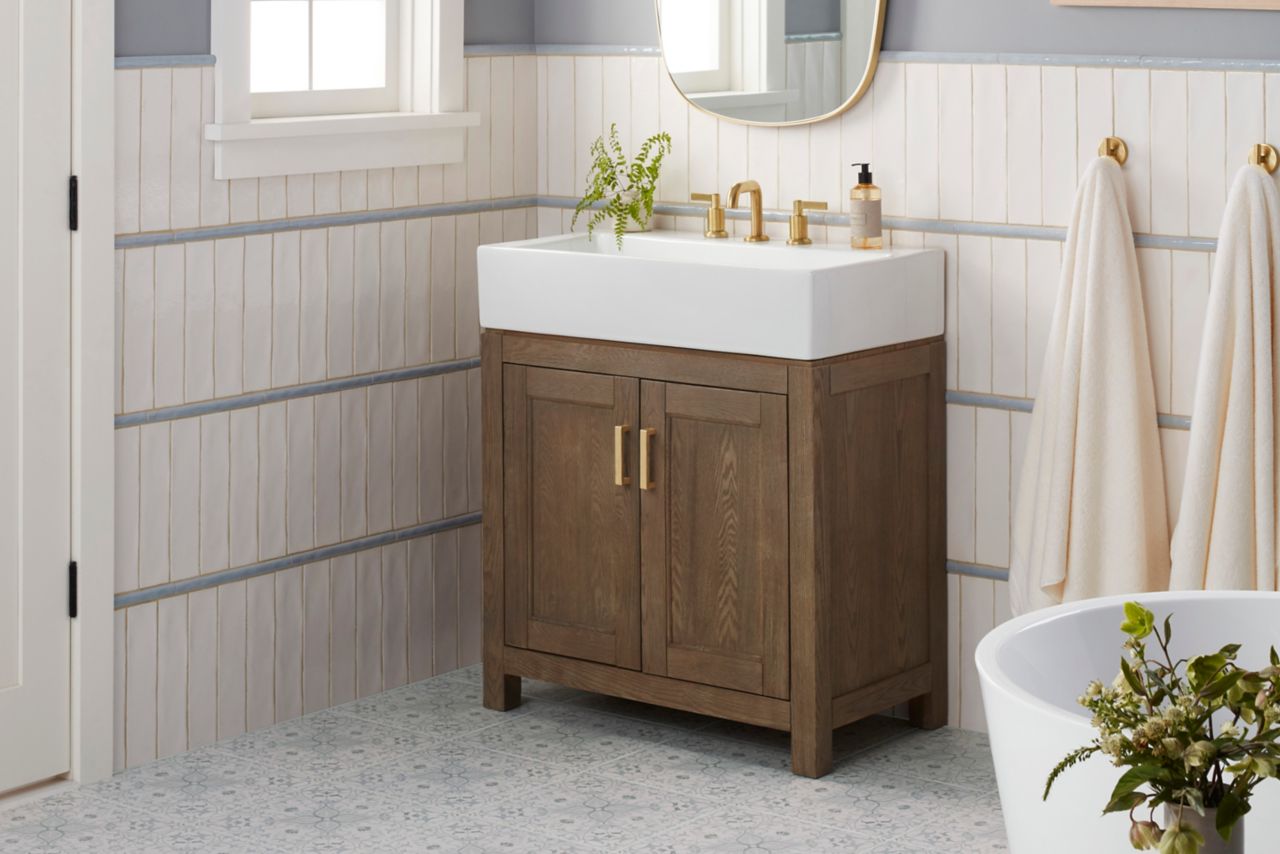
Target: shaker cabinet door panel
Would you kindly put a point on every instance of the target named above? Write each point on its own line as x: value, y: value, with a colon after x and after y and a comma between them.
x: 715, y: 537
x: 571, y: 529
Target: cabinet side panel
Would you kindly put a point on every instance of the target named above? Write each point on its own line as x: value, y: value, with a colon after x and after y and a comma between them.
x: 878, y: 456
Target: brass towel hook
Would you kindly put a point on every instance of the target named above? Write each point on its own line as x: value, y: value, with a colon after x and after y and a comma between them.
x: 1115, y: 148
x: 1265, y: 156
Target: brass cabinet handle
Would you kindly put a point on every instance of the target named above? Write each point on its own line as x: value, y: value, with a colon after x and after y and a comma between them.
x: 646, y: 472
x: 620, y: 477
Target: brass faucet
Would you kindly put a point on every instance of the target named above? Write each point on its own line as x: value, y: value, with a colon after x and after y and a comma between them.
x: 752, y: 188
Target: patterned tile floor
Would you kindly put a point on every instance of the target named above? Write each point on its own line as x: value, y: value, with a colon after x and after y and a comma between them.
x: 425, y: 768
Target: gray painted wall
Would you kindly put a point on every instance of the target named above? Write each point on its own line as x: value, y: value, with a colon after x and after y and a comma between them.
x: 1013, y: 26
x: 594, y: 22
x: 499, y: 22
x: 812, y: 16
x: 1035, y: 26
x: 146, y: 27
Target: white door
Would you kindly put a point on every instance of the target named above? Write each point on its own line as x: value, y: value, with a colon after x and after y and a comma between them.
x: 35, y: 390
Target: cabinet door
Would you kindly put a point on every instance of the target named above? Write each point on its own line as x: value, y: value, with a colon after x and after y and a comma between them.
x: 572, y: 531
x: 715, y: 537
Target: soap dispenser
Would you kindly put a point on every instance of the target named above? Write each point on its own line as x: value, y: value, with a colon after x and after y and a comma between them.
x: 864, y: 212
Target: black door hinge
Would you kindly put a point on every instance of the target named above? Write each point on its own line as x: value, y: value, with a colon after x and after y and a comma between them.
x: 73, y: 204
x: 73, y: 590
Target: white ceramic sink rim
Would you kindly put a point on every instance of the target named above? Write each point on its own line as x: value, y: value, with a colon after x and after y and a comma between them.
x: 681, y: 290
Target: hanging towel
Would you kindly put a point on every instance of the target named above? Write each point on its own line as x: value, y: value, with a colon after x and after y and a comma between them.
x: 1226, y: 533
x: 1091, y: 517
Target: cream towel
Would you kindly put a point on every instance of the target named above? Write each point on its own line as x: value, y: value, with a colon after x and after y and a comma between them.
x: 1091, y: 517
x: 1226, y: 534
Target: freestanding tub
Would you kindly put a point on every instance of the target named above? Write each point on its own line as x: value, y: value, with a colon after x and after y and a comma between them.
x: 1034, y: 667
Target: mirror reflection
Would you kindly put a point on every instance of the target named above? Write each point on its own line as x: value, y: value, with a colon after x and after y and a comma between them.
x: 771, y: 61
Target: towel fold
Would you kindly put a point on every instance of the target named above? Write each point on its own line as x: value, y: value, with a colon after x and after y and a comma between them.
x: 1226, y: 533
x: 1091, y: 517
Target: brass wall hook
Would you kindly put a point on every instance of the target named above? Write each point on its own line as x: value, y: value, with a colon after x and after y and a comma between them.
x: 1265, y: 156
x: 1115, y: 148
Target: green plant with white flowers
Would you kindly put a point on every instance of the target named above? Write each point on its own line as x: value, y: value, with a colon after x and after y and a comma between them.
x: 1195, y: 734
x: 620, y: 188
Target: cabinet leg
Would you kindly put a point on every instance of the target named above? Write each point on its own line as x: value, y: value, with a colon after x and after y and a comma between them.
x: 928, y: 711
x: 501, y: 692
x: 811, y: 752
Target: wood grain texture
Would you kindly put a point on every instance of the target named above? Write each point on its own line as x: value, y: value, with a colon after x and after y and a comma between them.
x: 653, y: 533
x: 878, y: 696
x: 786, y: 569
x: 696, y: 367
x: 810, y: 575
x: 647, y: 688
x: 930, y: 711
x: 724, y: 585
x: 878, y: 461
x: 573, y: 535
x: 501, y: 692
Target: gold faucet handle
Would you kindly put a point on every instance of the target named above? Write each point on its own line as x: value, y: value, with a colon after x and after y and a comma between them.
x: 715, y: 214
x: 800, y: 222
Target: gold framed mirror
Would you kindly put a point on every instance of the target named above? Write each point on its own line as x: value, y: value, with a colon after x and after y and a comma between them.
x: 772, y: 63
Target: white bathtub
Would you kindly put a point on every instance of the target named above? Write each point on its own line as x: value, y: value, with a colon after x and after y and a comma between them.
x: 1034, y: 667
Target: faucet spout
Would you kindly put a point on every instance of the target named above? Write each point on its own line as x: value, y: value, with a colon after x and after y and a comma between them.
x: 752, y: 189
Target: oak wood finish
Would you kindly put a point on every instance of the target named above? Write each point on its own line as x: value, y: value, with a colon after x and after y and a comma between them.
x: 879, y: 532
x: 929, y: 711
x: 716, y: 590
x: 501, y: 691
x: 749, y: 373
x: 810, y: 576
x: 572, y: 556
x: 870, y: 699
x: 643, y: 687
x: 786, y: 568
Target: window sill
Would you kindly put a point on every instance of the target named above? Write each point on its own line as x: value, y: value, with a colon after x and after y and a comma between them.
x: 716, y: 101
x: 289, y: 146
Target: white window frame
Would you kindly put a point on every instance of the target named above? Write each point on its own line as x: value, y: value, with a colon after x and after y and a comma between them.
x: 321, y: 102
x: 428, y: 128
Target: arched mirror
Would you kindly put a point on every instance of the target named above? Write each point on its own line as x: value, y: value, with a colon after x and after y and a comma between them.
x: 771, y: 62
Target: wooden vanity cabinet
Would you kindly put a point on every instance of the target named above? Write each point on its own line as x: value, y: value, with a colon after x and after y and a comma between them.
x: 755, y: 539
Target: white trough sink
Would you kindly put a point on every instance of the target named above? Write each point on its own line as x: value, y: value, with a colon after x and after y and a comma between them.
x: 681, y: 290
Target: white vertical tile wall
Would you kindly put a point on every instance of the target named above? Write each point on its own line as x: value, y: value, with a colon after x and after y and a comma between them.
x: 214, y: 318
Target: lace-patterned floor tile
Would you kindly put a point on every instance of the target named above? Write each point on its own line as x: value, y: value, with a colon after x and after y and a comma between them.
x: 426, y: 768
x: 434, y: 709
x: 643, y: 712
x: 324, y: 743
x: 703, y: 765
x: 571, y: 737
x: 598, y: 812
x: 944, y: 755
x: 339, y: 816
x: 734, y: 831
x: 204, y: 784
x: 873, y: 803
x: 78, y: 822
x: 854, y: 738
x: 530, y: 689
x: 457, y: 777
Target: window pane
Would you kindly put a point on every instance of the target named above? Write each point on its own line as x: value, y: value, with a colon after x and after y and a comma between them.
x: 278, y: 46
x: 691, y: 35
x: 350, y: 44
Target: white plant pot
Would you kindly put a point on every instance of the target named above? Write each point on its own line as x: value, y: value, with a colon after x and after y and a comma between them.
x: 1206, y: 825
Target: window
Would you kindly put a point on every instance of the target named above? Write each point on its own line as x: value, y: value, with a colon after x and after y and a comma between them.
x: 328, y: 85
x: 318, y: 57
x: 695, y: 43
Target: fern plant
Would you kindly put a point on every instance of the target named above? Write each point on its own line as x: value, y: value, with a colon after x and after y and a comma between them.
x: 620, y: 188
